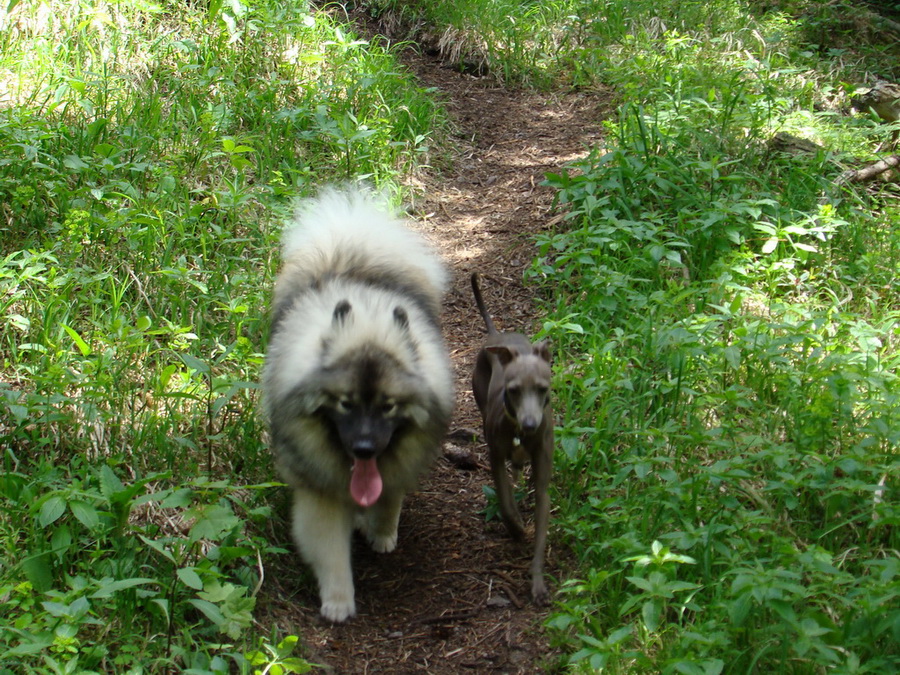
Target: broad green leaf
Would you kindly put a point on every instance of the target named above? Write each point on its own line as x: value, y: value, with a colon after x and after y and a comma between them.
x: 641, y: 583
x: 190, y: 578
x: 108, y: 588
x: 770, y: 245
x: 35, y: 645
x: 178, y: 499
x: 74, y: 162
x: 296, y: 665
x: 37, y: 571
x: 287, y: 646
x: 61, y: 539
x: 110, y: 484
x: 85, y: 513
x: 195, y: 364
x: 650, y: 613
x: 158, y: 546
x: 51, y: 510
x: 213, y: 521
x: 209, y: 610
x: 732, y: 355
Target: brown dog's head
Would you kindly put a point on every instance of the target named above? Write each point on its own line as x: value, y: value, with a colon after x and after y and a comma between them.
x: 526, y: 376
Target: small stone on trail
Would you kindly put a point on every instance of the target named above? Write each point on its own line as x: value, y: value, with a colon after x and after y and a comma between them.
x: 460, y: 458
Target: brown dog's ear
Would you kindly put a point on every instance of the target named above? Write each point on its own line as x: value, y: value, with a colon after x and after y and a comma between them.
x: 542, y: 349
x: 503, y: 354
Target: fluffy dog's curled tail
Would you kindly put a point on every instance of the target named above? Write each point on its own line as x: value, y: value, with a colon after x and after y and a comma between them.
x: 476, y: 291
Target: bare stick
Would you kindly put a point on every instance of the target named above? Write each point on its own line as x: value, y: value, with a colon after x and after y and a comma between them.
x: 868, y: 172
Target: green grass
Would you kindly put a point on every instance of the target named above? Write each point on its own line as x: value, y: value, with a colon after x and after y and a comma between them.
x: 725, y: 320
x: 150, y: 151
x: 728, y: 318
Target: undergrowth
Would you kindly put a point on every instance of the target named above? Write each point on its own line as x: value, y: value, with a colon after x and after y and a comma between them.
x: 149, y: 149
x: 724, y: 315
x: 728, y: 317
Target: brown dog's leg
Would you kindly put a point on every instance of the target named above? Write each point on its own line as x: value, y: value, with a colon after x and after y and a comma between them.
x: 539, y: 591
x: 541, y: 468
x: 507, y: 501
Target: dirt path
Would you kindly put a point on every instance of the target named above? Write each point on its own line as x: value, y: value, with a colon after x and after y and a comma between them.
x: 453, y: 597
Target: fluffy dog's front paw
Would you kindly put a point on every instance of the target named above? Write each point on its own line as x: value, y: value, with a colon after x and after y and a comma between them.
x: 384, y: 543
x: 338, y: 611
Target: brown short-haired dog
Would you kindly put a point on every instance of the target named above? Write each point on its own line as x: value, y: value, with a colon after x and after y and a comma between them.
x: 511, y: 384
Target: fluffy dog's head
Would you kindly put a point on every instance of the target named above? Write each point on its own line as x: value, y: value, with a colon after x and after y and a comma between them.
x: 366, y: 392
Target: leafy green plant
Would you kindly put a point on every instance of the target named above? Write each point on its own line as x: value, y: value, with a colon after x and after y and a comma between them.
x: 718, y: 398
x: 277, y: 659
x: 150, y: 152
x: 198, y: 574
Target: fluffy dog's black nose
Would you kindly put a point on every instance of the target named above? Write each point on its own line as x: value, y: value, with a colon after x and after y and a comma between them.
x: 364, y: 449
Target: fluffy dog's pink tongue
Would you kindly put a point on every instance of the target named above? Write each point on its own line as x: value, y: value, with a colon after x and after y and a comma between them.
x: 365, y: 482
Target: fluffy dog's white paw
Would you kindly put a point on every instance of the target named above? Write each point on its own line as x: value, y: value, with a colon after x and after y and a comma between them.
x: 384, y: 544
x: 338, y: 611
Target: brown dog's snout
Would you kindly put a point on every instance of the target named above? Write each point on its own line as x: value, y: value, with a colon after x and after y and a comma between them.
x: 529, y: 424
x: 529, y: 411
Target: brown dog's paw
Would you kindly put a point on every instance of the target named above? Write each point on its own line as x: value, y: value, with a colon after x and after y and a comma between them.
x: 515, y: 528
x: 539, y: 593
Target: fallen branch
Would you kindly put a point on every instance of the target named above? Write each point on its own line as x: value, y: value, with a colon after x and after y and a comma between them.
x: 868, y: 172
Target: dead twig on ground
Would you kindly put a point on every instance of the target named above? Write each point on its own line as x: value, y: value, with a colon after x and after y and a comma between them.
x: 868, y: 172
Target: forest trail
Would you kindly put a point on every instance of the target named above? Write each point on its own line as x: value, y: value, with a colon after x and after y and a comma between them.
x: 453, y: 597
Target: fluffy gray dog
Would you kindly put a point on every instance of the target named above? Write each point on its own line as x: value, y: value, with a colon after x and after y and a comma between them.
x: 357, y: 382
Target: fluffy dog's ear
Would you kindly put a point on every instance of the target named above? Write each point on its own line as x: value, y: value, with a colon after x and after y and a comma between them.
x: 341, y: 310
x: 401, y: 318
x: 504, y: 354
x: 542, y: 349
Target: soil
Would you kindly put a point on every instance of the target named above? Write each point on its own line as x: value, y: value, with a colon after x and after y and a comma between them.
x: 454, y: 596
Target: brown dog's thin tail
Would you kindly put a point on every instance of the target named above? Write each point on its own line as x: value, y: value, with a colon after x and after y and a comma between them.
x: 481, y: 308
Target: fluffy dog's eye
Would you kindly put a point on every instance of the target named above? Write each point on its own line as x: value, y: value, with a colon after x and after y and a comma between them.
x: 388, y: 408
x: 343, y: 405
